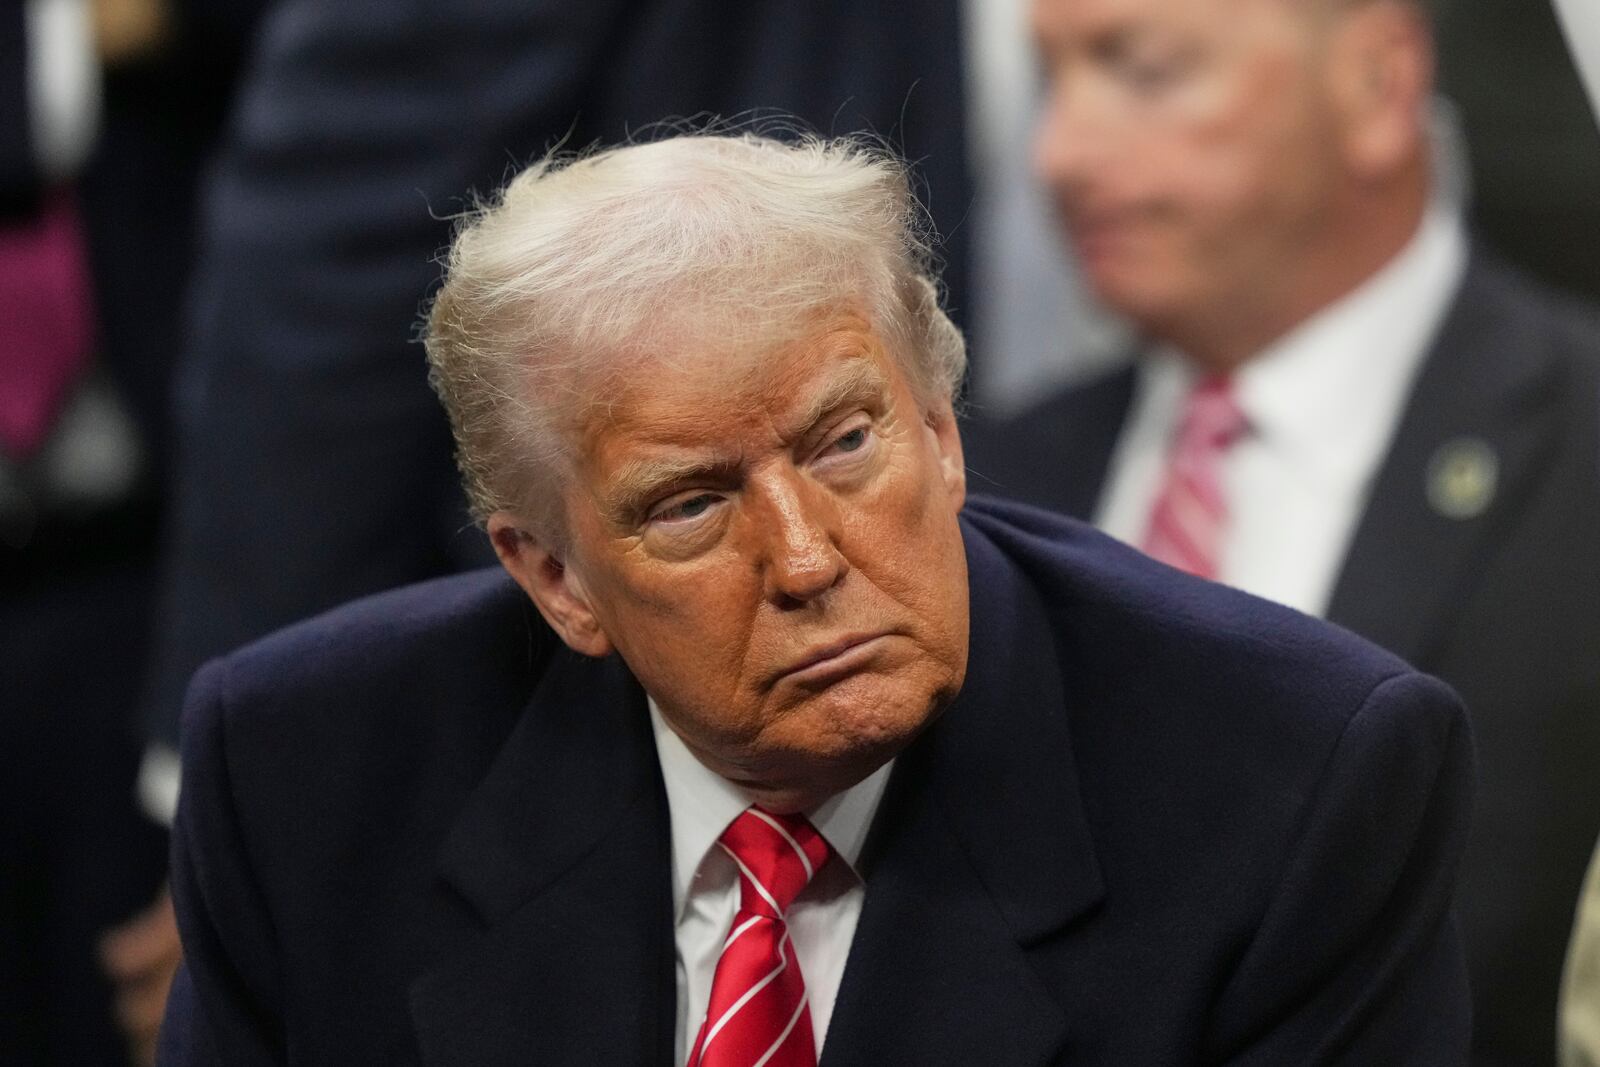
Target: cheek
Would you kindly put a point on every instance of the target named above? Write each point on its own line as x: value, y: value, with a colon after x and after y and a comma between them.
x: 1229, y: 199
x: 686, y: 632
x: 1264, y: 147
x: 904, y: 537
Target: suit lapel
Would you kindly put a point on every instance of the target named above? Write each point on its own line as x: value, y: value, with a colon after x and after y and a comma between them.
x: 563, y: 854
x: 980, y: 850
x: 1484, y: 404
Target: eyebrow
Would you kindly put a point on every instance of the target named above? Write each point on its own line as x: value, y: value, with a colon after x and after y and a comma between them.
x: 637, y: 483
x: 862, y: 383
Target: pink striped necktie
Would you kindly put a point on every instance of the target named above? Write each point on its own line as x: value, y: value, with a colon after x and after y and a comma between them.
x: 757, y: 1016
x: 1191, y: 513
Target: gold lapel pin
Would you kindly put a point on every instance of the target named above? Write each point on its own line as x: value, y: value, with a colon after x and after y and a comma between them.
x: 1462, y: 476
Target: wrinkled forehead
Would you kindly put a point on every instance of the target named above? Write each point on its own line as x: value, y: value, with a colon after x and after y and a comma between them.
x: 722, y: 405
x: 728, y: 360
x: 732, y: 375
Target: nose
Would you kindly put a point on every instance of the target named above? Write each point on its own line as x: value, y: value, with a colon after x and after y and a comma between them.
x: 803, y: 531
x: 1064, y: 142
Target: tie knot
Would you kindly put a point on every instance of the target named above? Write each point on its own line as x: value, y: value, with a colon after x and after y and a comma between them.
x: 777, y: 856
x: 1211, y: 417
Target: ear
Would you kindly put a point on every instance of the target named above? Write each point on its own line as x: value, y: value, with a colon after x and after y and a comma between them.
x: 1382, y: 70
x: 946, y: 435
x: 556, y: 589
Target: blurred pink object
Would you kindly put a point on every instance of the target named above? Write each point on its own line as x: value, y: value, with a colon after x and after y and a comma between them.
x: 46, y: 321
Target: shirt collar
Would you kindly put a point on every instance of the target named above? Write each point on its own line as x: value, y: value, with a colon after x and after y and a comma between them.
x: 701, y: 804
x: 1328, y: 394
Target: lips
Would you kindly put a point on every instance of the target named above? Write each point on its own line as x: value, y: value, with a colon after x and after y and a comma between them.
x: 835, y: 659
x: 1097, y: 227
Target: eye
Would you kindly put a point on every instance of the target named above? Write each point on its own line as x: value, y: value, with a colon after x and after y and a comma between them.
x: 1148, y: 67
x: 851, y: 441
x: 685, y: 509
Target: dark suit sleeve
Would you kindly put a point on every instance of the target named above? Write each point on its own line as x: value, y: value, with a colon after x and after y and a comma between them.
x: 1357, y: 960
x: 223, y: 1009
x: 314, y: 462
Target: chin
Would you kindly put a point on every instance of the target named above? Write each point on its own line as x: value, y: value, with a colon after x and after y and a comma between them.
x: 859, y: 724
x: 827, y: 741
x: 1126, y: 292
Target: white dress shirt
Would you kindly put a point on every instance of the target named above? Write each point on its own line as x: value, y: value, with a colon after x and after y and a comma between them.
x: 705, y: 884
x: 1322, y: 405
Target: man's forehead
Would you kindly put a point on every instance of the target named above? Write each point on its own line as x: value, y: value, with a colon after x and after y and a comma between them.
x: 674, y: 415
x: 670, y: 394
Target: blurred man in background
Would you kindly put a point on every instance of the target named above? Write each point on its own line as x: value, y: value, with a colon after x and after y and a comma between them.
x: 1344, y: 406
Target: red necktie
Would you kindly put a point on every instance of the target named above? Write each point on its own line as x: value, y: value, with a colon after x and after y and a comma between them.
x: 758, y: 1016
x: 1191, y: 513
x: 45, y: 321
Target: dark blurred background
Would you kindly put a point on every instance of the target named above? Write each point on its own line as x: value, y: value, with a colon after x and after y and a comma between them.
x: 1531, y: 136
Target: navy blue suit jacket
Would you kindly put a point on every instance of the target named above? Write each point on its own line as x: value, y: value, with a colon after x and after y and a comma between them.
x: 1163, y: 823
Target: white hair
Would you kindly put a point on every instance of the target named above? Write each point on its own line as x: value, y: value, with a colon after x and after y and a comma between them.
x: 584, y: 267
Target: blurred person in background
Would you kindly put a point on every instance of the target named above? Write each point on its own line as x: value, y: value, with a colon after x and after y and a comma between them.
x: 107, y: 110
x: 1345, y: 404
x: 1580, y: 993
x: 313, y: 463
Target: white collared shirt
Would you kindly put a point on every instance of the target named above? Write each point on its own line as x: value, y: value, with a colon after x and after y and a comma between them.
x: 705, y: 884
x: 1322, y: 405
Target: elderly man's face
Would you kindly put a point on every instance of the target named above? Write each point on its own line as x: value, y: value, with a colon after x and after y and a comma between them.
x: 775, y: 555
x: 1191, y: 145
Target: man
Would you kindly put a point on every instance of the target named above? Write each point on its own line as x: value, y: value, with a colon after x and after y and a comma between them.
x: 1345, y: 408
x: 792, y: 754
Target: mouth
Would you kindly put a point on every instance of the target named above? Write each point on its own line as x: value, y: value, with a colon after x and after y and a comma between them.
x: 1097, y: 231
x: 837, y: 659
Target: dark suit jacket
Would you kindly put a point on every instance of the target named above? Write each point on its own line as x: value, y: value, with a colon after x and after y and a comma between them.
x: 1163, y: 823
x: 318, y: 464
x: 1505, y: 606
